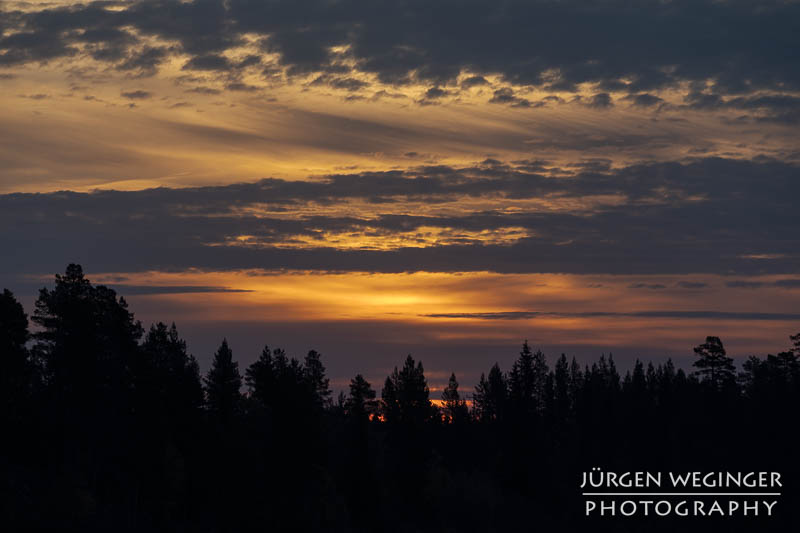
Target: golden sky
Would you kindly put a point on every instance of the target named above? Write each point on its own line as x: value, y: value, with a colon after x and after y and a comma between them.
x: 448, y: 179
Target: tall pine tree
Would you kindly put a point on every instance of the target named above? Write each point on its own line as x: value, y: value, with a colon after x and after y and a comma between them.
x: 714, y: 367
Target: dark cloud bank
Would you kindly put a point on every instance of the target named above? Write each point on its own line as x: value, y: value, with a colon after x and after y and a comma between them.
x: 741, y: 47
x: 707, y: 216
x: 703, y: 315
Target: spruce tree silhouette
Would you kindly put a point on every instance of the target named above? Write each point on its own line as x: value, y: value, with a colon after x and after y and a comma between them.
x: 408, y: 412
x: 285, y: 388
x: 261, y: 380
x: 360, y: 407
x: 561, y: 390
x: 455, y: 409
x: 170, y: 374
x: 636, y: 387
x: 527, y: 383
x: 576, y: 385
x: 319, y: 385
x: 490, y: 398
x: 223, y: 385
x: 168, y: 401
x: 406, y: 396
x: 225, y: 404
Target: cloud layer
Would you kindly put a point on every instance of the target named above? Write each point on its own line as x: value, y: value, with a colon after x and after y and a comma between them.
x: 711, y: 216
x: 650, y: 44
x: 722, y: 50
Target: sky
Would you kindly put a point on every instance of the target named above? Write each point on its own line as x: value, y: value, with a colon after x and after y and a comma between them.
x: 375, y: 178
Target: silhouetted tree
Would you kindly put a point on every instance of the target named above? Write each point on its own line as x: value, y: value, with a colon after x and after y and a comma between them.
x: 636, y: 383
x: 714, y: 366
x: 16, y: 367
x: 87, y: 340
x: 88, y: 344
x: 491, y: 396
x: 223, y: 384
x: 113, y: 435
x: 319, y: 385
x: 562, y: 405
x: 527, y: 382
x: 361, y: 402
x: 795, y: 344
x: 406, y: 397
x: 360, y: 405
x: 785, y: 366
x: 261, y: 380
x: 168, y: 401
x: 170, y: 373
x: 455, y: 409
x: 284, y: 385
x: 576, y: 381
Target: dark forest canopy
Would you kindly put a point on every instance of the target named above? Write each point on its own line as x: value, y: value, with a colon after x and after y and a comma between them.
x: 113, y: 427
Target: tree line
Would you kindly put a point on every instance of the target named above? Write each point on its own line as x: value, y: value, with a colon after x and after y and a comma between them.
x: 109, y: 426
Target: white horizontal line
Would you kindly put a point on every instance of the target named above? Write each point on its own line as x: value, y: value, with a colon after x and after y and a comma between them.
x: 681, y: 493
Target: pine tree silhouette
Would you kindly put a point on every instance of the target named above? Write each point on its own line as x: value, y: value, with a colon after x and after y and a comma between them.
x: 18, y: 371
x: 714, y: 366
x: 361, y: 403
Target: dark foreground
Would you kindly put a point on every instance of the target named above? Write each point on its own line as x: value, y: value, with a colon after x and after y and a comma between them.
x: 108, y: 428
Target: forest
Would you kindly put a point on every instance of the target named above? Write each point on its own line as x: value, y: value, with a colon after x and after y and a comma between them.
x: 108, y: 426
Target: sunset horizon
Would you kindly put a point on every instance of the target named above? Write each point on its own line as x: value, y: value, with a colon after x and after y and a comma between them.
x: 558, y: 227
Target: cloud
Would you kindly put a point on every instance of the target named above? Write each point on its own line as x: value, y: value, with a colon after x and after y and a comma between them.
x: 781, y: 283
x: 651, y: 286
x: 239, y: 86
x: 741, y: 46
x: 145, y: 60
x: 779, y: 108
x: 474, y: 81
x: 644, y: 100
x: 337, y: 82
x: 142, y: 290
x: 505, y: 95
x: 208, y: 62
x: 600, y: 101
x: 691, y: 315
x: 434, y: 218
x: 203, y: 90
x: 788, y: 283
x: 692, y: 284
x: 744, y: 284
x: 433, y: 95
x: 136, y: 95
